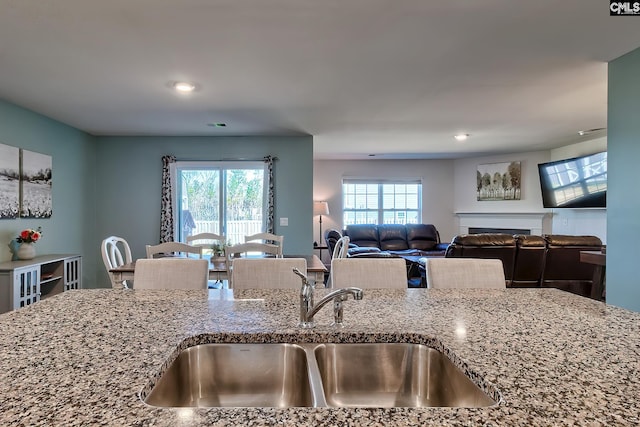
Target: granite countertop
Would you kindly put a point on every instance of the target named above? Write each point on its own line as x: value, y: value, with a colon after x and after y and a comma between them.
x: 82, y: 357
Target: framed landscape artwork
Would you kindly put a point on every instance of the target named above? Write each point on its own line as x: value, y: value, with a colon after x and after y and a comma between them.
x: 499, y: 181
x: 9, y: 181
x: 36, y: 185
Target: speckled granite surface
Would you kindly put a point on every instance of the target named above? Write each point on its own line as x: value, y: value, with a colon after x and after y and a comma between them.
x: 82, y: 357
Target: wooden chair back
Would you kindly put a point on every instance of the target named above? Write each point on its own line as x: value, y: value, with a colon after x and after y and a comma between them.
x: 171, y: 273
x: 465, y: 273
x: 369, y: 273
x: 173, y: 248
x: 267, y: 273
x: 112, y: 248
x: 269, y: 238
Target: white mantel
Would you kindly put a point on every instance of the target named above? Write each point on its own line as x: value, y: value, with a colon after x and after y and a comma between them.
x: 538, y: 222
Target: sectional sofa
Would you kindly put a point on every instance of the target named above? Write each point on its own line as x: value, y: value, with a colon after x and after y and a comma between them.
x: 390, y: 240
x: 550, y: 260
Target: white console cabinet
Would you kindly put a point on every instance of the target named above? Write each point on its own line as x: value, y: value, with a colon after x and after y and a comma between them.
x: 23, y: 283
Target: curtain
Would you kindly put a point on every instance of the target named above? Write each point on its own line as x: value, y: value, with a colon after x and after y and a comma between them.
x: 271, y: 194
x: 166, y: 212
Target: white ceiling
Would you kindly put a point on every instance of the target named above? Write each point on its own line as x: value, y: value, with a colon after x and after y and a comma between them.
x: 392, y: 77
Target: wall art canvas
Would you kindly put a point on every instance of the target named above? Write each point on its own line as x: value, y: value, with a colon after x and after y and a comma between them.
x: 36, y: 185
x: 499, y: 181
x: 9, y: 181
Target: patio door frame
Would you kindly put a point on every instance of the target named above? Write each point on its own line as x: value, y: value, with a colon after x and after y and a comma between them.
x: 222, y: 166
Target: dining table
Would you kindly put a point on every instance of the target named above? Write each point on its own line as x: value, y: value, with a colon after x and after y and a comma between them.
x: 316, y: 270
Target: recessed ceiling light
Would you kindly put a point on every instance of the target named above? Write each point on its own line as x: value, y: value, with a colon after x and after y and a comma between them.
x: 184, y: 87
x: 461, y: 136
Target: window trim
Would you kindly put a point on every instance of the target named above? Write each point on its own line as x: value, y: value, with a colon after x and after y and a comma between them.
x: 380, y: 182
x: 221, y: 165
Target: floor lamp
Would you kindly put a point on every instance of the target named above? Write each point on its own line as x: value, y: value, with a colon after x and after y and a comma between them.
x: 320, y: 208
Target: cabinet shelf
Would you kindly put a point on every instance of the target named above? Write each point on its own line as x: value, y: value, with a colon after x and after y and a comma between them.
x: 23, y: 283
x: 45, y: 281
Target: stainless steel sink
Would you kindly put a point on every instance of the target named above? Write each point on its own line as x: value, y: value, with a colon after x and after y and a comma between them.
x: 393, y: 375
x: 234, y: 375
x: 314, y: 375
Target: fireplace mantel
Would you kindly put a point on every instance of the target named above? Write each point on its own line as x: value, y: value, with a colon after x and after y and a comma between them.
x: 538, y: 222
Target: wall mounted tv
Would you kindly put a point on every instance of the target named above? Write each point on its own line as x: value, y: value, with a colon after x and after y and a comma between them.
x: 580, y: 182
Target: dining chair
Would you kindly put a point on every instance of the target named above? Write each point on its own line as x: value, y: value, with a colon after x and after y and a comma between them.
x: 112, y: 248
x: 247, y: 249
x: 171, y: 248
x: 369, y: 273
x: 267, y: 238
x: 267, y: 273
x: 206, y: 240
x: 171, y: 273
x: 464, y: 273
x: 340, y: 249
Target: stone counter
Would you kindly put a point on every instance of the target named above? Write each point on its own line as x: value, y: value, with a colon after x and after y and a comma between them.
x: 82, y: 357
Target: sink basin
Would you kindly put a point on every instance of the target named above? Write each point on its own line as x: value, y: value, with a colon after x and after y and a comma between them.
x: 392, y: 375
x: 381, y: 375
x: 235, y: 375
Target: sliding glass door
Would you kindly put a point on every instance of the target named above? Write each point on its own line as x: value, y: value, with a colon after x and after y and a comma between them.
x: 225, y: 198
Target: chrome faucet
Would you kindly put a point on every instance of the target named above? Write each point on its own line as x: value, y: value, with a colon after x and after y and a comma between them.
x: 308, y: 309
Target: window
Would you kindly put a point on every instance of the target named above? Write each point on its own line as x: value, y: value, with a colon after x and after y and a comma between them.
x: 381, y: 202
x: 225, y: 198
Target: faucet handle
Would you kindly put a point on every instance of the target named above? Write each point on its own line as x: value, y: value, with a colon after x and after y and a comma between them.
x: 305, y: 281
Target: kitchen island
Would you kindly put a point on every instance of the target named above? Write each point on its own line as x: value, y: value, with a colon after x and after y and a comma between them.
x: 83, y: 357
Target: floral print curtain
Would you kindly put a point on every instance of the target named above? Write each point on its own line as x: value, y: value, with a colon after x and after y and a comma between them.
x: 166, y: 212
x: 268, y: 160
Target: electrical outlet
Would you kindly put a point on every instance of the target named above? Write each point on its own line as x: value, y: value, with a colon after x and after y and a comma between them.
x: 284, y: 222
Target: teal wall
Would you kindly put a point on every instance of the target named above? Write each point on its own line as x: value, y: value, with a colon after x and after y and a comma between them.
x: 111, y: 185
x: 129, y: 176
x: 69, y: 230
x: 623, y: 197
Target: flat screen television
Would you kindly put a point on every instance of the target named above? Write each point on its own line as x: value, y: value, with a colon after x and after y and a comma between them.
x: 580, y: 182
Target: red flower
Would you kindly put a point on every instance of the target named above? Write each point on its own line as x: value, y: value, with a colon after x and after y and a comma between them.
x: 29, y: 235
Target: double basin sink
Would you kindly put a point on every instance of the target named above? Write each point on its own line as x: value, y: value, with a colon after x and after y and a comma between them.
x: 380, y: 375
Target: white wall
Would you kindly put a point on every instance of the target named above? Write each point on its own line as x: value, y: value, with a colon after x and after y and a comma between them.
x: 465, y: 184
x: 437, y: 188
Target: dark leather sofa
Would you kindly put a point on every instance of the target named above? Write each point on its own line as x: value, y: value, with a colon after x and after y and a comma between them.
x: 562, y: 266
x: 550, y: 260
x: 394, y: 239
x: 410, y: 241
x: 498, y: 246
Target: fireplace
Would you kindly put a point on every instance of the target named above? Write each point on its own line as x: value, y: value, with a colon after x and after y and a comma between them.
x: 536, y: 223
x: 482, y: 230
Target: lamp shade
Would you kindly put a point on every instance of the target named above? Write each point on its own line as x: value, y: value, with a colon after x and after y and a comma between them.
x: 320, y: 208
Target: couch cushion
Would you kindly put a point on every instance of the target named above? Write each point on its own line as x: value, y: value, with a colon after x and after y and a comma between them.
x: 393, y: 237
x: 422, y: 236
x: 360, y: 250
x: 363, y: 234
x: 488, y: 239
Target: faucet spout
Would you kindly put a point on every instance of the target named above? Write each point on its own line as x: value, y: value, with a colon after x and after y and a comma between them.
x: 308, y: 308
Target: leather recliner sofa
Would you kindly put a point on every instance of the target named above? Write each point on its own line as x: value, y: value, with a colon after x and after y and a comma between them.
x: 550, y: 260
x: 394, y: 239
x: 562, y: 266
x: 494, y: 246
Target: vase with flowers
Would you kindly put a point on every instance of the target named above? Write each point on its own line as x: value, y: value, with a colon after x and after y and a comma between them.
x: 27, y: 239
